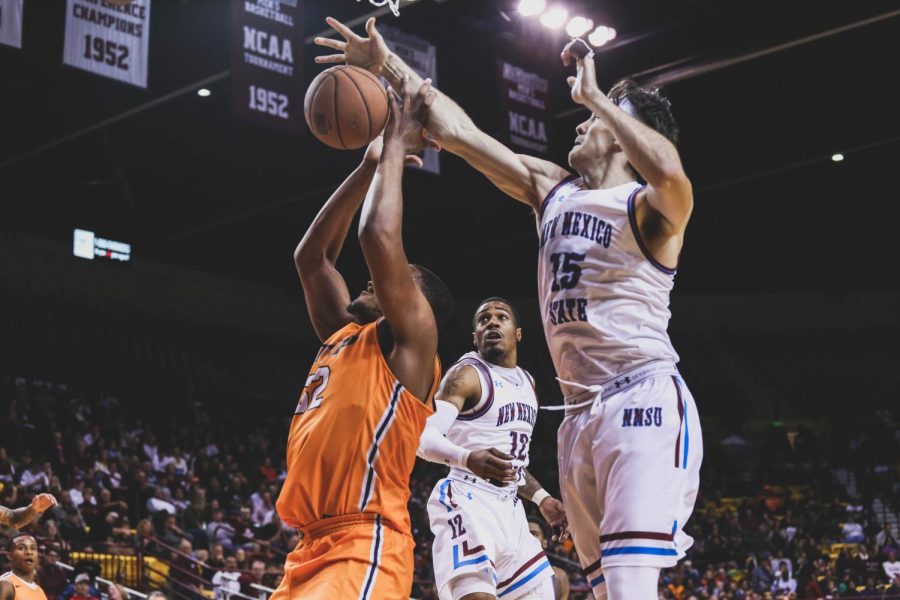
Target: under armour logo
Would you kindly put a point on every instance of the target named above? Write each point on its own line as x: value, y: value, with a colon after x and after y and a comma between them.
x: 467, y: 478
x: 469, y: 495
x: 497, y: 383
x: 623, y: 381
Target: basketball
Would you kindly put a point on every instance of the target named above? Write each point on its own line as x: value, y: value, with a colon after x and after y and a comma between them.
x: 346, y: 107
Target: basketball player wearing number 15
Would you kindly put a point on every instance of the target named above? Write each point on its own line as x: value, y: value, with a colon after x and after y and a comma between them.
x: 354, y: 435
x: 630, y: 445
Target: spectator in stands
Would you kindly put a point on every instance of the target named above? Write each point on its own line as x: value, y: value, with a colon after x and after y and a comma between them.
x: 560, y: 577
x: 172, y: 534
x: 226, y: 580
x: 52, y: 577
x: 219, y: 531
x: 114, y: 591
x: 853, y: 531
x: 157, y: 595
x: 83, y: 588
x: 7, y: 470
x: 761, y: 578
x: 891, y: 567
x: 784, y: 584
x: 255, y: 576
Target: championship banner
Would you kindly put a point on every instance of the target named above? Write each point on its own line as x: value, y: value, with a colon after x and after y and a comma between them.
x: 421, y: 56
x: 11, y: 23
x: 109, y: 40
x: 266, y: 52
x: 526, y: 119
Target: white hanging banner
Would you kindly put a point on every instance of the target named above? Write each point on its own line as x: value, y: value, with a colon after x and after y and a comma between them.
x: 11, y: 23
x: 421, y: 56
x: 108, y: 39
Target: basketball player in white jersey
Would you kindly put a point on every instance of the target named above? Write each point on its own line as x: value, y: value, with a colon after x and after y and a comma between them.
x: 485, y: 412
x: 630, y: 445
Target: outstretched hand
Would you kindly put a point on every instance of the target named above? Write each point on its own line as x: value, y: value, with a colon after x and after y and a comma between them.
x: 584, y: 82
x: 370, y: 53
x: 42, y: 502
x: 406, y: 123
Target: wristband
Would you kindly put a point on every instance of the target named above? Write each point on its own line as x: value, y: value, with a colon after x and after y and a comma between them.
x: 540, y: 496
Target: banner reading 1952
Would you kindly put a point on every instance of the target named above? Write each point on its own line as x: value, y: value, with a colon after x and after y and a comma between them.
x: 266, y: 53
x: 109, y: 40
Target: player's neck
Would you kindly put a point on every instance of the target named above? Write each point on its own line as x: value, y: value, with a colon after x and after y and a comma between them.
x: 26, y: 577
x: 507, y: 361
x: 606, y: 175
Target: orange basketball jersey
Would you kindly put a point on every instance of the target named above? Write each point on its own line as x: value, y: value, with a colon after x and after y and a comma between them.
x: 24, y: 589
x: 353, y: 439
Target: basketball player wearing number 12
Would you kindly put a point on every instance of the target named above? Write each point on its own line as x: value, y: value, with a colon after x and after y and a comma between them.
x: 354, y: 435
x: 630, y: 445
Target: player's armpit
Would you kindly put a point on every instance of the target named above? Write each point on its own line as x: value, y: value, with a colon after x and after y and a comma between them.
x: 5, y: 515
x: 461, y: 387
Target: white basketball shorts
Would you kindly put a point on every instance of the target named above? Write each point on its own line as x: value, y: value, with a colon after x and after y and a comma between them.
x: 482, y: 529
x: 629, y: 470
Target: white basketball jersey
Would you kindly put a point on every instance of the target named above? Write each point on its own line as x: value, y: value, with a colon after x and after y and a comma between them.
x: 604, y: 299
x: 504, y: 416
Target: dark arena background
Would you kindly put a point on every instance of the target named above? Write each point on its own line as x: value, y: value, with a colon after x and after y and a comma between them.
x: 154, y: 338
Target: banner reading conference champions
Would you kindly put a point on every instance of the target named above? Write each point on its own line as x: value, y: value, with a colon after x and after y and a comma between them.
x: 109, y: 40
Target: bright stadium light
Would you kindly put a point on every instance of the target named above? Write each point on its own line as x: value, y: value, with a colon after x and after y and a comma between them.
x: 579, y: 26
x: 837, y: 157
x: 204, y: 93
x: 529, y: 8
x: 554, y: 18
x: 602, y: 35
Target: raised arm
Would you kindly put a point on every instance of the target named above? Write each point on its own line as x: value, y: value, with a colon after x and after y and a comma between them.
x: 408, y: 315
x: 20, y: 517
x: 654, y: 157
x: 524, y: 178
x: 325, y: 290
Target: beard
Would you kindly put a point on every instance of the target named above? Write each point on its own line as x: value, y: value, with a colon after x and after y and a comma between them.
x: 492, y: 353
x: 364, y: 313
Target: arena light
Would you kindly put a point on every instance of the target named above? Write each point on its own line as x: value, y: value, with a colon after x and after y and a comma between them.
x: 601, y: 36
x: 554, y: 18
x: 838, y: 157
x: 204, y: 93
x: 530, y: 8
x: 579, y: 26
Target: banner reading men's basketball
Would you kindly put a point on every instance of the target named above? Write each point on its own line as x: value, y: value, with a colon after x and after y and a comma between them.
x: 11, y: 23
x: 525, y: 107
x: 421, y: 56
x: 109, y: 40
x: 266, y: 52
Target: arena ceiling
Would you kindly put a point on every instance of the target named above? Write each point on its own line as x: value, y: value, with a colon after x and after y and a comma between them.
x: 189, y: 184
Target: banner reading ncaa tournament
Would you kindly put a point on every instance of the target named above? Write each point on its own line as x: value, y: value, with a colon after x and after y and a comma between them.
x: 109, y: 40
x: 266, y: 53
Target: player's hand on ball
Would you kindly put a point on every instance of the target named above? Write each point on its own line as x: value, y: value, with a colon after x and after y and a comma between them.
x: 369, y: 53
x: 555, y: 514
x: 407, y: 121
x: 42, y: 502
x: 492, y: 464
x: 584, y: 83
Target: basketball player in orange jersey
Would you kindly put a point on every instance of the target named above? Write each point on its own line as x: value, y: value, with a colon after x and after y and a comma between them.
x: 18, y: 584
x: 354, y: 435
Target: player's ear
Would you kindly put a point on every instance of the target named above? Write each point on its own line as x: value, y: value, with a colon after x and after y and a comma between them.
x: 474, y: 340
x: 518, y: 334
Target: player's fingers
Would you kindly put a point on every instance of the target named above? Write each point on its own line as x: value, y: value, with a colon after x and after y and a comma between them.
x: 413, y: 161
x: 499, y: 454
x: 340, y: 28
x: 331, y: 58
x: 571, y: 81
x: 370, y: 28
x: 330, y: 43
